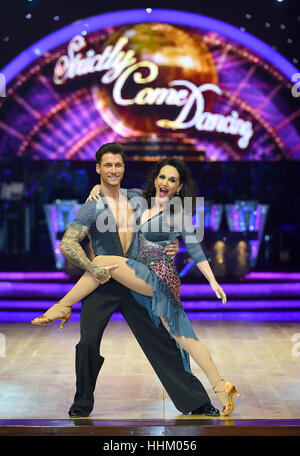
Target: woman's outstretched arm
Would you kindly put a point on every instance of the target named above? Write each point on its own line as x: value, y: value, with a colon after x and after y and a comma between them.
x: 205, y: 268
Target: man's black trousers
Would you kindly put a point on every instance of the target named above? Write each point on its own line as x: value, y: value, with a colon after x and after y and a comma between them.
x: 184, y: 389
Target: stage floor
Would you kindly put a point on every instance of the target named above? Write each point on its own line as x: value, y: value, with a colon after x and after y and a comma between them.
x: 37, y: 375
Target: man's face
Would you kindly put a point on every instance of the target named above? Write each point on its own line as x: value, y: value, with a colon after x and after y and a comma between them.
x: 111, y: 169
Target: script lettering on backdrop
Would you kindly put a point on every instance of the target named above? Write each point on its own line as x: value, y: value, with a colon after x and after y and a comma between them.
x: 119, y: 65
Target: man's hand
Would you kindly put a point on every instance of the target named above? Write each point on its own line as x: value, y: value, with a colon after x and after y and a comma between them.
x: 172, y: 249
x: 102, y: 273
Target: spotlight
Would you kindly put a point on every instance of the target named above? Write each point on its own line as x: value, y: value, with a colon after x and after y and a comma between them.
x: 149, y: 10
x: 32, y: 3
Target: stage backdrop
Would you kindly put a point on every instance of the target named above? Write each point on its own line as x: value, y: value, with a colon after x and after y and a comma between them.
x: 160, y: 82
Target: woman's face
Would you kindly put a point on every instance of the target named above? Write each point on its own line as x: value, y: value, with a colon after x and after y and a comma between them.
x: 167, y: 183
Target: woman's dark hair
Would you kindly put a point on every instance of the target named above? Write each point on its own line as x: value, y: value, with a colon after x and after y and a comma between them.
x: 188, y: 185
x: 110, y: 148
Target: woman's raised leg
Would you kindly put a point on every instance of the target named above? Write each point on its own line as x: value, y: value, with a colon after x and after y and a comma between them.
x: 124, y: 274
x: 87, y: 283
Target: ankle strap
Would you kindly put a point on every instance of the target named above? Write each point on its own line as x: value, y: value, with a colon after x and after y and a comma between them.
x: 221, y: 380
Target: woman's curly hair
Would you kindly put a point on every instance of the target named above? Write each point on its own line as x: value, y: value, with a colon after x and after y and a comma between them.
x: 188, y: 185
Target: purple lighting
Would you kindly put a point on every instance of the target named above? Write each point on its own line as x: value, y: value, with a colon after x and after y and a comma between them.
x: 76, y: 116
x: 22, y: 300
x: 273, y: 276
x: 32, y: 289
x: 236, y: 305
x: 57, y: 290
x: 288, y: 316
x: 136, y: 16
x: 245, y: 289
x: 36, y: 304
x: 246, y: 316
x: 56, y: 275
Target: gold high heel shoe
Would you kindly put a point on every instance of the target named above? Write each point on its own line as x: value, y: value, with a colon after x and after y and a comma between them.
x: 44, y: 320
x: 230, y: 390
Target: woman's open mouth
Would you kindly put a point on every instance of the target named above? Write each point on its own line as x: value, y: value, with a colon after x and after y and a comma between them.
x: 163, y: 192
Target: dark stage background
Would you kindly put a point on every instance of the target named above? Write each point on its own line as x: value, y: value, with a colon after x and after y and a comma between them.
x: 23, y: 22
x: 275, y: 184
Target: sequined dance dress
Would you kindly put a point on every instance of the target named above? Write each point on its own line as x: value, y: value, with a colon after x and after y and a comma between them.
x: 158, y: 269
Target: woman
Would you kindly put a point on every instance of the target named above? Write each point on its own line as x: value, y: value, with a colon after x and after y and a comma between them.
x: 153, y: 273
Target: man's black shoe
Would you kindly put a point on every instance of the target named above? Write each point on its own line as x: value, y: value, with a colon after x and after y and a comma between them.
x: 75, y: 413
x: 207, y: 410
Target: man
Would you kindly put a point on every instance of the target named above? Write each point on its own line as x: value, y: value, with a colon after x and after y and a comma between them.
x: 185, y: 390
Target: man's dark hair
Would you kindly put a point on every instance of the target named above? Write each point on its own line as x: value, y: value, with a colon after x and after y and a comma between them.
x: 110, y: 148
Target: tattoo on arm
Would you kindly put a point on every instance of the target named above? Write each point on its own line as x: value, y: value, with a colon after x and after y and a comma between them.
x: 72, y: 250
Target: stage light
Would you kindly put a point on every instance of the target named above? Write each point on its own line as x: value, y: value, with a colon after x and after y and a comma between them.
x: 212, y: 215
x: 149, y: 10
x: 267, y: 24
x: 56, y: 18
x: 6, y: 39
x: 242, y: 255
x: 219, y: 249
x: 28, y: 16
x: 58, y: 217
x: 282, y: 26
x: 289, y: 40
x: 248, y: 16
x: 248, y: 216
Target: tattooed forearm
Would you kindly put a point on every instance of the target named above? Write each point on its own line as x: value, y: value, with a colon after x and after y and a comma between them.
x: 71, y: 248
x: 73, y: 251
